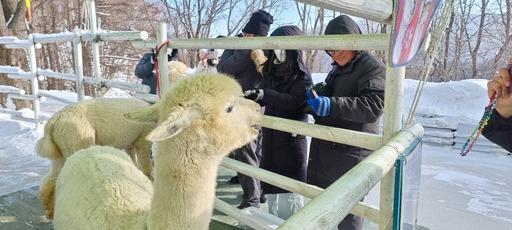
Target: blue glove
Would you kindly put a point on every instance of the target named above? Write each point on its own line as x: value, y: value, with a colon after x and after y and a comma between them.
x: 320, y: 105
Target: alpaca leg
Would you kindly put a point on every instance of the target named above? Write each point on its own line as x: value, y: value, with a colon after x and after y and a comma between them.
x: 47, y: 189
x: 131, y: 153
x: 142, y: 151
x: 69, y: 137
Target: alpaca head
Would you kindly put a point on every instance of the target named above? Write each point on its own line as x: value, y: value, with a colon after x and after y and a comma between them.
x: 208, y: 106
x: 177, y: 70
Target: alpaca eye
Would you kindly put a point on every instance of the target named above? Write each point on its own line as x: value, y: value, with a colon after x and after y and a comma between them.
x: 229, y: 109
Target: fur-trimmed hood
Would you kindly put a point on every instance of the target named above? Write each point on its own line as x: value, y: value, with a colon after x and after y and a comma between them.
x: 243, y: 65
x: 259, y: 59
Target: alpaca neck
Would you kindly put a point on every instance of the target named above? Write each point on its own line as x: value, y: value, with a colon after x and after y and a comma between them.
x: 184, y: 186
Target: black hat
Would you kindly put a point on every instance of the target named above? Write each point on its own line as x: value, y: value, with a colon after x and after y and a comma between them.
x: 287, y: 31
x: 342, y: 24
x: 259, y: 23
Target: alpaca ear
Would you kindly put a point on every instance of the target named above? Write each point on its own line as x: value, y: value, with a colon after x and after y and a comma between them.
x: 178, y: 120
x: 147, y: 114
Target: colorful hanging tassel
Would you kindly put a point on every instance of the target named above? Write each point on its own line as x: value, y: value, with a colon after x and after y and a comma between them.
x: 485, y: 118
x: 481, y: 125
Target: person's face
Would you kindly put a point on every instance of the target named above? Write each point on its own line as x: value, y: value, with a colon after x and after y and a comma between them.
x: 280, y: 56
x: 342, y: 57
x: 202, y: 54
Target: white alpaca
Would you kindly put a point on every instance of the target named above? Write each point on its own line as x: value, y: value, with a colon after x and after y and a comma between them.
x: 177, y: 71
x: 201, y: 120
x: 96, y: 122
x: 93, y: 122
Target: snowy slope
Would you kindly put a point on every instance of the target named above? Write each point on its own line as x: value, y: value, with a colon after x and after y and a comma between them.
x: 444, y: 103
x: 463, y: 100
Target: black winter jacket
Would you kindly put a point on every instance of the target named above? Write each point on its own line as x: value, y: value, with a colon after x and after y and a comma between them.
x: 357, y: 94
x: 238, y: 64
x: 144, y: 71
x: 284, y: 153
x: 499, y: 131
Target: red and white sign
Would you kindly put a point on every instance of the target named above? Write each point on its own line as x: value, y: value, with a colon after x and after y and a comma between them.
x: 412, y: 21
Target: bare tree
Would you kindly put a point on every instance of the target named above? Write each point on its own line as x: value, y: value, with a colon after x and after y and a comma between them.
x: 196, y: 17
x: 311, y: 21
x: 238, y: 13
x: 443, y: 74
x: 11, y: 24
x: 474, y: 39
x: 117, y: 59
x: 505, y: 18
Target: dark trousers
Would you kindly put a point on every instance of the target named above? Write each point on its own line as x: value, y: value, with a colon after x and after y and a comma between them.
x: 250, y: 154
x: 350, y: 222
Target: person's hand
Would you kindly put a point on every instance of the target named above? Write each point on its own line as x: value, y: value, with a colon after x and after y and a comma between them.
x: 254, y: 94
x: 500, y: 85
x: 320, y: 105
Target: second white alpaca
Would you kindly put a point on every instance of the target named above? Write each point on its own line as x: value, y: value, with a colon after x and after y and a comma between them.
x: 201, y: 120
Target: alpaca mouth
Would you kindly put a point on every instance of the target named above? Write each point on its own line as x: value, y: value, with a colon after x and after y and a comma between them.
x: 256, y: 128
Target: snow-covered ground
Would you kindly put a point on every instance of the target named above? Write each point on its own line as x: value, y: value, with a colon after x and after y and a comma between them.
x: 472, y: 192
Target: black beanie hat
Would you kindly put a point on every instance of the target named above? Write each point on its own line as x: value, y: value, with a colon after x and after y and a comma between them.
x: 287, y: 31
x: 342, y: 24
x: 259, y: 23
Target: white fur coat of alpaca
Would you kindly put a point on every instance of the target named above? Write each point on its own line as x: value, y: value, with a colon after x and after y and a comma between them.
x: 201, y: 120
x: 177, y: 70
x: 98, y: 121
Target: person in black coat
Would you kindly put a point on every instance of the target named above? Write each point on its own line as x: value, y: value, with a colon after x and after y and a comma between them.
x: 240, y: 65
x: 353, y: 98
x: 283, y: 93
x: 145, y: 69
x: 499, y: 126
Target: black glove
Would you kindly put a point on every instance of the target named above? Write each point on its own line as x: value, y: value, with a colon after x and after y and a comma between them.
x: 320, y: 89
x: 254, y: 94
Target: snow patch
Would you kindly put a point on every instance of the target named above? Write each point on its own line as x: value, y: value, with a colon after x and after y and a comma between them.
x: 115, y: 92
x: 21, y: 167
x: 485, y: 197
x: 464, y: 100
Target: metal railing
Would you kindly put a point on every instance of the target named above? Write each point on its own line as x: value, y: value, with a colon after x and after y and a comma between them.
x: 76, y: 37
x: 380, y: 10
x: 330, y: 206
